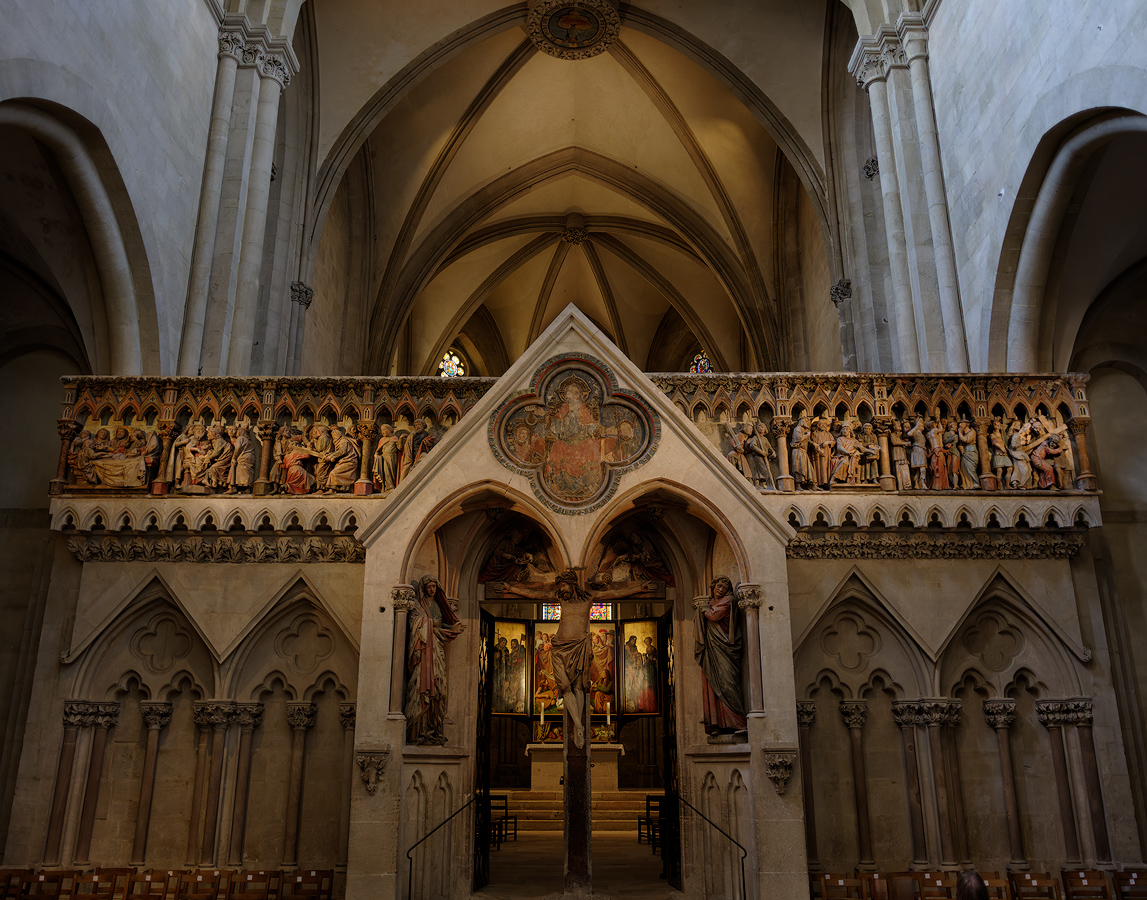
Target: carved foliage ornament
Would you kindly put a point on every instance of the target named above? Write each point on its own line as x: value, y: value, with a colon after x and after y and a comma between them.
x: 779, y: 767
x: 221, y: 549
x: 576, y: 30
x: 1057, y: 713
x: 934, y: 545
x: 371, y: 764
x: 574, y: 433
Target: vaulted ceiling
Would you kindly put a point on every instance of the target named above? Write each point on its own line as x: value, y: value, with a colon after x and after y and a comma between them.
x: 634, y: 184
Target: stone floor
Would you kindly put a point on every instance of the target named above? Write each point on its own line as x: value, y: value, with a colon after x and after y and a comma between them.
x: 531, y: 868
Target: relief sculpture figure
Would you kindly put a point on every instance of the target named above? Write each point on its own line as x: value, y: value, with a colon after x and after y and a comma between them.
x: 430, y: 626
x: 719, y: 649
x: 758, y: 451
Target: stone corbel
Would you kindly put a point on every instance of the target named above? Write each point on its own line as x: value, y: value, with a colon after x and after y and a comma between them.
x: 402, y: 598
x: 779, y: 765
x: 371, y: 764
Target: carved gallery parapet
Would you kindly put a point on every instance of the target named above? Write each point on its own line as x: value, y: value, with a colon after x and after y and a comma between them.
x: 281, y: 436
x: 208, y: 548
x: 929, y: 544
x: 967, y: 434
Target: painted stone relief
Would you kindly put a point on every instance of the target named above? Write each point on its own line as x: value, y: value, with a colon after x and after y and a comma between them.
x: 431, y: 624
x: 574, y: 434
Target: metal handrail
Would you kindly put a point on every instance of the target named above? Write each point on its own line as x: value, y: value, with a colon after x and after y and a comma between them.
x: 410, y: 859
x: 740, y: 846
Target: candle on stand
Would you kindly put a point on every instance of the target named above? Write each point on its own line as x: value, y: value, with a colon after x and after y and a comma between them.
x: 606, y: 712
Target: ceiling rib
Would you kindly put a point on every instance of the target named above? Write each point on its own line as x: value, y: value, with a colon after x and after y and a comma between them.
x: 650, y: 273
x: 559, y: 257
x: 510, y: 67
x: 607, y: 295
x: 485, y: 289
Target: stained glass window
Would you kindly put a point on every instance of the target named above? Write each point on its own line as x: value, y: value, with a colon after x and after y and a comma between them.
x: 599, y: 612
x: 701, y: 364
x: 452, y: 365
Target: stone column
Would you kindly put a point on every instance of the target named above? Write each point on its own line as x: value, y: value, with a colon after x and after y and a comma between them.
x: 914, y: 36
x: 987, y: 477
x: 231, y: 41
x: 217, y: 716
x: 855, y: 714
x: 104, y: 716
x: 887, y: 479
x: 301, y: 717
x: 870, y: 67
x: 201, y: 717
x: 364, y: 486
x: 749, y: 599
x: 263, y: 485
x: 347, y: 717
x: 935, y: 715
x: 906, y: 714
x: 67, y: 429
x: 248, y: 716
x: 76, y: 716
x: 402, y: 598
x: 156, y: 715
x: 274, y: 76
x: 806, y: 718
x: 1085, y: 480
x: 785, y: 480
x: 1000, y: 714
x: 1053, y: 715
x: 1081, y: 715
x: 956, y: 784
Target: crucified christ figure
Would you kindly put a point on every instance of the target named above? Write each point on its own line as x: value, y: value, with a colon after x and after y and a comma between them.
x: 572, y: 648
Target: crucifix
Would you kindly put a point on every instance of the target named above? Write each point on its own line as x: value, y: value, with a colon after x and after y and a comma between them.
x: 572, y: 656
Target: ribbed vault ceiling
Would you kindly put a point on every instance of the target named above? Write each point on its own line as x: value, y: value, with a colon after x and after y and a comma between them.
x: 508, y: 184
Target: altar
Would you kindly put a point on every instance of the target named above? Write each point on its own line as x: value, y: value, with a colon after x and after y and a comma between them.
x: 546, y: 766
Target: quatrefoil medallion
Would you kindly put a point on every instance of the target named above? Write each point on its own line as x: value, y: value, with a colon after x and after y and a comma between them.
x: 574, y: 433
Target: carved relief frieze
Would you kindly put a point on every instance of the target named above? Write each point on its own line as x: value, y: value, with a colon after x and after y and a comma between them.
x: 205, y: 548
x: 930, y: 544
x: 574, y: 433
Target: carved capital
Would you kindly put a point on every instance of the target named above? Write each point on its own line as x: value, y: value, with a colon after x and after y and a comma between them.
x: 840, y: 292
x: 251, y: 54
x: 913, y: 35
x: 248, y: 715
x: 871, y: 167
x: 272, y: 66
x: 212, y: 713
x: 749, y: 596
x: 854, y: 712
x: 701, y: 602
x: 779, y: 768
x: 66, y: 429
x: 156, y: 713
x: 77, y: 714
x: 1000, y: 713
x: 402, y: 598
x: 806, y: 713
x: 104, y: 715
x: 907, y: 713
x: 940, y: 712
x: 1058, y: 713
x: 1079, y: 425
x: 231, y: 43
x: 366, y: 431
x: 347, y: 715
x: 301, y: 716
x: 867, y: 64
x: 371, y: 764
x: 302, y: 294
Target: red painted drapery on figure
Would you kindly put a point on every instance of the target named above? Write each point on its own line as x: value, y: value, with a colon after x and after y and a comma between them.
x: 431, y: 625
x: 718, y: 649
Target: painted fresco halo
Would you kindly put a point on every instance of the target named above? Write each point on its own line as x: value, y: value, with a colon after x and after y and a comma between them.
x: 574, y: 433
x: 573, y: 30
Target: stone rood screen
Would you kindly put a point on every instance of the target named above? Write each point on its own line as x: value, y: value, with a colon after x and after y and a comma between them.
x: 784, y: 432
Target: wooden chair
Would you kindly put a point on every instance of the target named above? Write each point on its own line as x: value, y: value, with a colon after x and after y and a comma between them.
x: 877, y: 885
x: 938, y: 885
x: 103, y: 884
x: 1130, y: 885
x: 246, y: 885
x: 1042, y: 886
x: 48, y: 885
x: 10, y: 881
x: 501, y: 820
x: 840, y: 886
x: 314, y: 883
x: 152, y: 884
x: 998, y: 888
x: 1081, y: 884
x: 202, y: 885
x: 649, y: 822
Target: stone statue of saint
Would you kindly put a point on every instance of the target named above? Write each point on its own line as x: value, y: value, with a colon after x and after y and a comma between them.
x: 572, y: 648
x: 430, y: 626
x: 719, y: 649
